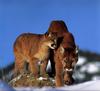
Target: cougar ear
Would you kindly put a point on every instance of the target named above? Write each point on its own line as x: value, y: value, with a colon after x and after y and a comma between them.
x: 47, y: 34
x: 62, y: 50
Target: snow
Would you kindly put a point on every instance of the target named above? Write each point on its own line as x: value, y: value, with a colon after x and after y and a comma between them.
x: 87, y: 86
x: 42, y: 78
x: 90, y: 68
x: 79, y: 76
x: 48, y: 66
x: 97, y: 63
x: 5, y: 87
x: 81, y: 60
x: 96, y: 77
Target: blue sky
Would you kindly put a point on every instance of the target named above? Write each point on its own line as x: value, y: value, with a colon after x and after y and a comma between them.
x: 18, y: 16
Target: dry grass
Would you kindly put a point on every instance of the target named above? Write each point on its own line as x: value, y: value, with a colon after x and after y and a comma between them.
x: 30, y: 81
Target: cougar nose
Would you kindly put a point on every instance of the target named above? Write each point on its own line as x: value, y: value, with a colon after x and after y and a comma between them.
x: 69, y: 82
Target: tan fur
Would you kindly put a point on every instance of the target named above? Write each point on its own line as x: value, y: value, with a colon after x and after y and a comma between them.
x: 33, y: 48
x: 42, y: 53
x: 59, y: 56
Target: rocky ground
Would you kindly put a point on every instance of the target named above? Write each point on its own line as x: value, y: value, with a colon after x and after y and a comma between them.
x: 26, y: 80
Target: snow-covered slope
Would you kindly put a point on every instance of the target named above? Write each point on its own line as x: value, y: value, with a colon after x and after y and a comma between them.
x: 87, y: 69
x: 87, y: 86
x: 5, y: 87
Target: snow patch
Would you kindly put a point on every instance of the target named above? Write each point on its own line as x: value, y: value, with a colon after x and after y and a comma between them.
x: 48, y: 66
x: 42, y: 78
x: 87, y: 86
x: 96, y: 78
x: 5, y: 87
x: 81, y: 60
x: 90, y: 68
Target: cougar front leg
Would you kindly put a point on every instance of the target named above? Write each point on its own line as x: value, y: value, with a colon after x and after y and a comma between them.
x: 34, y: 67
x: 59, y: 75
x: 43, y: 67
x: 19, y: 65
